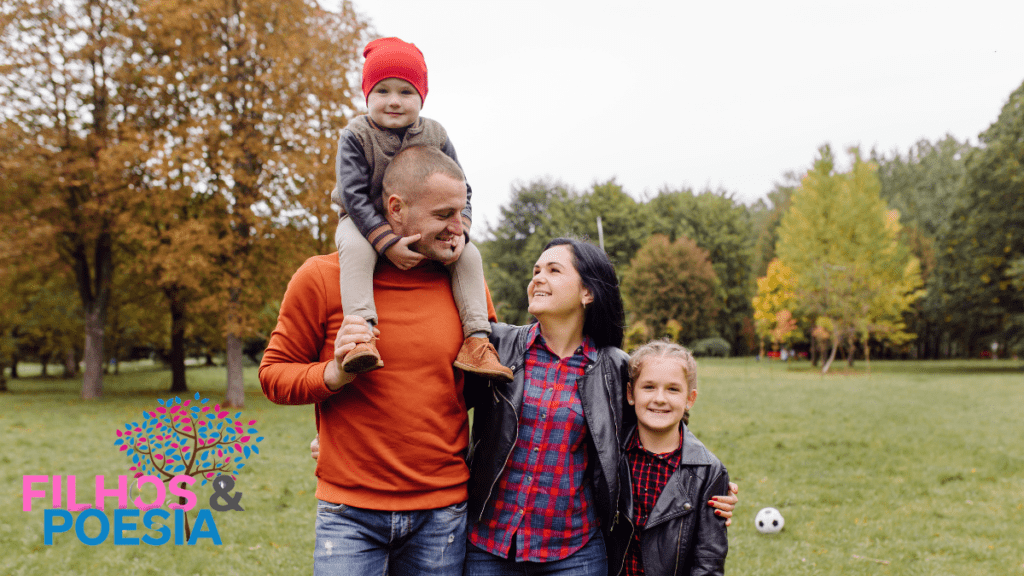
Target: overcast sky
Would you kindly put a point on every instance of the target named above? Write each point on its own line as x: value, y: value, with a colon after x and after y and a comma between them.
x: 699, y: 94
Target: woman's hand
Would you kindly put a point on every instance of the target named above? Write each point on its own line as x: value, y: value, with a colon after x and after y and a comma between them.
x: 401, y: 255
x: 724, y: 505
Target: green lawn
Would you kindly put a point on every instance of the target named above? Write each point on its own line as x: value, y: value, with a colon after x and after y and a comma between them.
x: 915, y: 468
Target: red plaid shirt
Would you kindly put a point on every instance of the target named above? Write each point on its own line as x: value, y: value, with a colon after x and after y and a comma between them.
x: 650, y: 473
x: 542, y: 498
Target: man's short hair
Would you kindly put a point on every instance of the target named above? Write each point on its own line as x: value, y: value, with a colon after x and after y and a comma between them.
x: 411, y: 167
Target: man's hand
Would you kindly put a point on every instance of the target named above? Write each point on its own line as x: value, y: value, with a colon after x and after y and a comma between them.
x: 354, y: 329
x: 401, y: 255
x: 314, y: 447
x: 724, y: 505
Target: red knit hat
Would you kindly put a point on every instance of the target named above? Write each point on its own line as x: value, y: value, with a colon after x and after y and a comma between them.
x: 394, y: 58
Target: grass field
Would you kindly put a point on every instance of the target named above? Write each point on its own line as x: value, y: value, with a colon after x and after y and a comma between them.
x: 916, y: 468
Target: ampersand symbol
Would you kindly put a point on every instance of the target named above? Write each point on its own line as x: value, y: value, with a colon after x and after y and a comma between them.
x: 221, y: 486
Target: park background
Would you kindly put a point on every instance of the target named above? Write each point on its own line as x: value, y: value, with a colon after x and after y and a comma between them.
x: 166, y: 169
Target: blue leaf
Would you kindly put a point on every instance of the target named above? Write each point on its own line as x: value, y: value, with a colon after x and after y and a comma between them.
x: 260, y: 439
x: 252, y: 430
x: 177, y: 400
x: 197, y: 395
x: 241, y: 466
x: 119, y: 442
x: 135, y: 458
x: 161, y: 401
x: 245, y: 449
x: 239, y: 415
x: 238, y: 459
x: 256, y: 449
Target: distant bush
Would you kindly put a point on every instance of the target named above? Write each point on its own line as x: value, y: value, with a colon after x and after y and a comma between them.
x: 711, y: 347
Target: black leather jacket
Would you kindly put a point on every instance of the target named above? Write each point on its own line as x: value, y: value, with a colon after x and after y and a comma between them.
x: 496, y: 421
x: 682, y: 536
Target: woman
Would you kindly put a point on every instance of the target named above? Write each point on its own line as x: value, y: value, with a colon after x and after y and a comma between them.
x: 543, y: 486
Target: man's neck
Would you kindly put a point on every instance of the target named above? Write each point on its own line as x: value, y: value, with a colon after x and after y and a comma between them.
x: 657, y: 441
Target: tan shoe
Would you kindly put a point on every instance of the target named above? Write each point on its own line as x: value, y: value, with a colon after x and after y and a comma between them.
x: 363, y: 358
x: 478, y: 356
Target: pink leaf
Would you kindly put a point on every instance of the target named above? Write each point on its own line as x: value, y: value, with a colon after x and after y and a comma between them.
x: 187, y: 428
x: 243, y: 439
x: 184, y: 448
x: 239, y: 447
x: 221, y: 414
x: 162, y: 410
x: 123, y: 448
x: 158, y: 456
x: 118, y: 433
x: 251, y: 422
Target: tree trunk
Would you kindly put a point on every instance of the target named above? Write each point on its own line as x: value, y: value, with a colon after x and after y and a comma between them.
x: 828, y: 363
x: 14, y: 368
x: 851, y: 348
x: 867, y: 355
x: 177, y: 342
x: 236, y: 387
x: 92, y: 382
x: 45, y: 361
x: 3, y: 378
x: 70, y: 364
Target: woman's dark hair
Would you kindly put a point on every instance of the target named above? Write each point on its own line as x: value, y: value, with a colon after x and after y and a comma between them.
x: 604, y: 318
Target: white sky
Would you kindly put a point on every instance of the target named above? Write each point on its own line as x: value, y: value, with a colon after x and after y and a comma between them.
x: 701, y: 94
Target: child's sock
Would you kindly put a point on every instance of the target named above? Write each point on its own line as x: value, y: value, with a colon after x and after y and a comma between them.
x: 478, y: 335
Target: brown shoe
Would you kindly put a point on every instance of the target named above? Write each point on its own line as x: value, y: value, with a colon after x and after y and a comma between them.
x: 363, y: 358
x: 478, y: 356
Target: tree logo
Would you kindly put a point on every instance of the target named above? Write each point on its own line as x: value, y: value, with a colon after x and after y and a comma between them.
x: 188, y: 438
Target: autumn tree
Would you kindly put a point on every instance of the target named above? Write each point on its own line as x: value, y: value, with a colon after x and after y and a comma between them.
x: 57, y: 60
x: 843, y: 245
x: 774, y: 305
x: 249, y: 99
x: 673, y: 281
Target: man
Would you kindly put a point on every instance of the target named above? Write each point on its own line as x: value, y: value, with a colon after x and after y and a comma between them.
x: 391, y: 476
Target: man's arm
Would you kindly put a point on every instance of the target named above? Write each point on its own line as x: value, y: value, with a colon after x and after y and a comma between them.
x: 291, y: 371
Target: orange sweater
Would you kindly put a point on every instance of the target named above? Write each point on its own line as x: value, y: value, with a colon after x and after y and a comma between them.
x: 395, y: 438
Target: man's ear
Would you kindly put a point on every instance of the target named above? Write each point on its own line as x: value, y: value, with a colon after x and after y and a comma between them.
x: 394, y: 207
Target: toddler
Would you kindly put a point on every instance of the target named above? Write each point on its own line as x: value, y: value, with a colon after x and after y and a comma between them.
x: 395, y: 86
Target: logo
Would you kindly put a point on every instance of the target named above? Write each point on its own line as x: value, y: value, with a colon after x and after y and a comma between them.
x: 173, y: 447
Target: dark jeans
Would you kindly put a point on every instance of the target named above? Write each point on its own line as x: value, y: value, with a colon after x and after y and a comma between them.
x: 591, y: 560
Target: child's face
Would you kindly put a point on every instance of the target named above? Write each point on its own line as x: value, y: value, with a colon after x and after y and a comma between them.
x: 394, y: 103
x: 660, y: 395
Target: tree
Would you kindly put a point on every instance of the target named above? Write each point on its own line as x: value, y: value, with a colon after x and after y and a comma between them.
x: 250, y: 98
x: 70, y: 140
x: 515, y: 243
x: 673, y: 281
x: 843, y: 246
x: 986, y: 234
x: 722, y: 226
x: 774, y: 304
x: 924, y: 185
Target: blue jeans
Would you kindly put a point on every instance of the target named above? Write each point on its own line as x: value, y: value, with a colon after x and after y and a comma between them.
x: 591, y: 560
x: 358, y: 542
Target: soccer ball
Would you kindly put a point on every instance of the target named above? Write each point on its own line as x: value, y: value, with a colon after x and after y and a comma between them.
x: 769, y: 521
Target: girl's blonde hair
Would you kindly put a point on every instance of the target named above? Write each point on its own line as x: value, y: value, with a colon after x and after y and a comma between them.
x: 664, y: 349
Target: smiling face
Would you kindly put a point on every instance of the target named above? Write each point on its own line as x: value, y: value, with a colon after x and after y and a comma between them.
x: 660, y: 395
x: 394, y: 103
x: 556, y: 289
